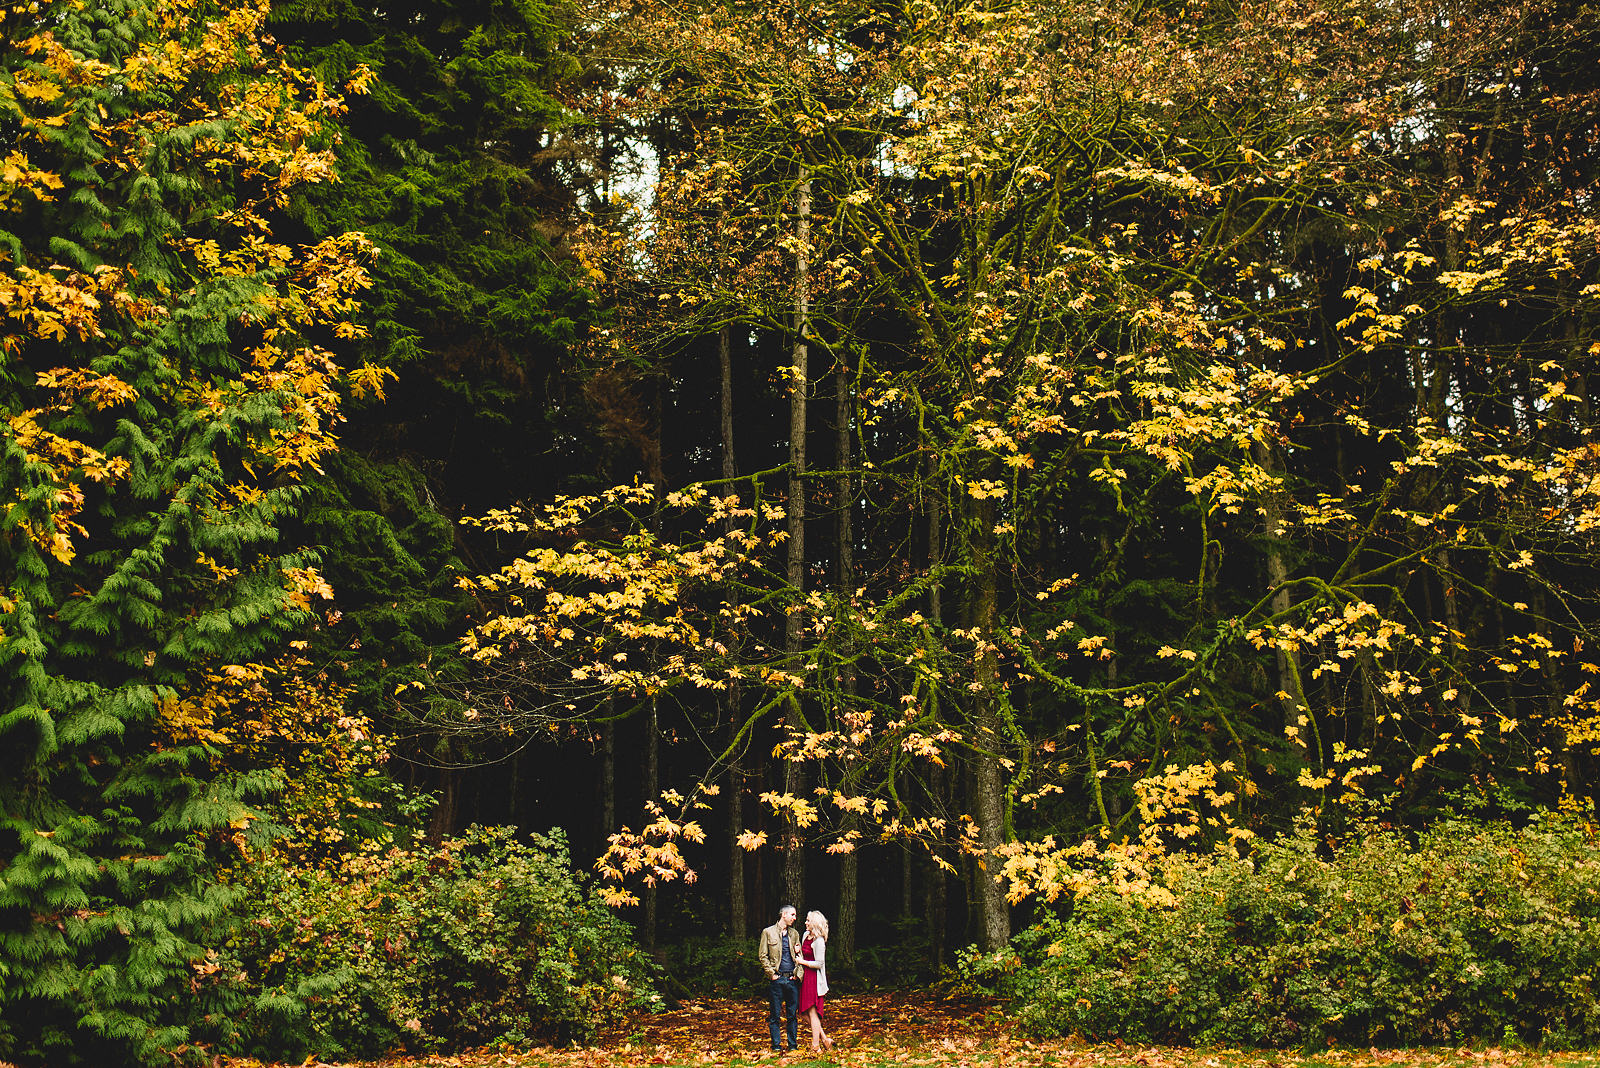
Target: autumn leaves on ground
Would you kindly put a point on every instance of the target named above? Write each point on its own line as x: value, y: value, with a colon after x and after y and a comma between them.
x: 909, y: 1029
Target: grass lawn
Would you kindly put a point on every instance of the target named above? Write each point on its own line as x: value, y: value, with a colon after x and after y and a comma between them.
x: 899, y: 1031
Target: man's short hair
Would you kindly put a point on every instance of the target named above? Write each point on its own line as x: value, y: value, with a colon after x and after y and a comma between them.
x: 786, y: 908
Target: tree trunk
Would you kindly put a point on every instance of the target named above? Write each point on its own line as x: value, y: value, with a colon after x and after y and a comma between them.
x: 799, y: 385
x: 652, y: 722
x: 1290, y: 688
x: 843, y: 939
x: 738, y: 920
x: 935, y: 507
x: 652, y: 790
x: 937, y: 905
x: 988, y: 777
x: 1573, y: 780
x: 937, y: 914
x: 443, y: 821
x: 608, y: 776
x: 907, y: 880
x: 738, y: 916
x: 844, y: 576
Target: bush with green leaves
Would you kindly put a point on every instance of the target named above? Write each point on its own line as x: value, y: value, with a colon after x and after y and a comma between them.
x: 480, y: 939
x: 1467, y: 930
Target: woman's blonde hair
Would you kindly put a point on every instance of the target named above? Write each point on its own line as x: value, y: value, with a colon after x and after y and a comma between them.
x: 818, y: 921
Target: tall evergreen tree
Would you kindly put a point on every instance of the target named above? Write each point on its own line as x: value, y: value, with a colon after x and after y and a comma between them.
x: 451, y: 167
x: 165, y: 399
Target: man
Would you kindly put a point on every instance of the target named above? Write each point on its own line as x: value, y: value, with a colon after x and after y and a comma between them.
x: 778, y: 951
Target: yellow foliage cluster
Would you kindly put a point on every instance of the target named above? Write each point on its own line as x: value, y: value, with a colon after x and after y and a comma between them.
x: 54, y: 312
x: 1045, y: 357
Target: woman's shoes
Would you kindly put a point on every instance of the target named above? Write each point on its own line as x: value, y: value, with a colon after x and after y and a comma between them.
x: 826, y: 1041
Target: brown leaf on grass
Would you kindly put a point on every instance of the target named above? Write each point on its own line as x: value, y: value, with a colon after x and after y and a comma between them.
x: 918, y: 1030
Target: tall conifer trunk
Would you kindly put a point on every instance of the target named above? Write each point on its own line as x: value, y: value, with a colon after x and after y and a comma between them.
x: 608, y: 775
x: 844, y: 933
x: 799, y: 384
x: 738, y: 920
x: 652, y: 789
x: 652, y: 723
x: 936, y: 904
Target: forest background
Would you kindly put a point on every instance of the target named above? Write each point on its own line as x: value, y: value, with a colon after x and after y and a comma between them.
x: 1008, y: 475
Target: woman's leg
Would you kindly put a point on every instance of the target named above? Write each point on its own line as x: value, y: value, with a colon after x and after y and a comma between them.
x: 816, y: 1029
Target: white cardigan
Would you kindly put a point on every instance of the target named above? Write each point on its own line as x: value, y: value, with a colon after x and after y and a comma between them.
x: 819, y: 948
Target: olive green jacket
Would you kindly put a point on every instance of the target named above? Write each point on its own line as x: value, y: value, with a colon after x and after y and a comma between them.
x: 770, y: 951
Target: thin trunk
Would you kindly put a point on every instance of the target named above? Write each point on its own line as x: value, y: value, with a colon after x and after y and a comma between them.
x: 652, y: 790
x: 759, y: 784
x: 907, y: 876
x: 730, y: 468
x: 1111, y: 634
x: 443, y: 821
x: 799, y: 385
x: 845, y: 486
x: 1289, y: 676
x: 935, y: 545
x: 738, y: 921
x: 1453, y: 622
x: 989, y: 803
x: 844, y: 937
x: 652, y: 723
x: 1578, y: 362
x: 1573, y: 782
x: 513, y: 784
x: 937, y: 896
x: 937, y: 903
x: 738, y: 917
x: 988, y: 777
x: 1448, y: 337
x: 608, y: 776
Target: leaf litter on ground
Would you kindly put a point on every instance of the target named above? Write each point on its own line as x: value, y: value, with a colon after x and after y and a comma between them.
x: 895, y: 1029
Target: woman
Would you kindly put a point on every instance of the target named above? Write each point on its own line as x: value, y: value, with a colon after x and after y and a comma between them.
x: 814, y: 983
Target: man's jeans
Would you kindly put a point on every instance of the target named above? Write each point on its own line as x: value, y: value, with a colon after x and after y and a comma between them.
x: 785, y: 995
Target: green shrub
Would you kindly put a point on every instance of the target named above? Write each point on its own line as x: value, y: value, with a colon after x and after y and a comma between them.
x: 479, y: 940
x: 1477, y: 930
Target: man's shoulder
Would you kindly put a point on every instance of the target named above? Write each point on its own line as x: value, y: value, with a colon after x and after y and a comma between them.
x: 773, y: 931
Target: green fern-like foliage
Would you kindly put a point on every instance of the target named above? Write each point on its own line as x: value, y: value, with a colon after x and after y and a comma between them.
x: 453, y: 163
x: 163, y: 407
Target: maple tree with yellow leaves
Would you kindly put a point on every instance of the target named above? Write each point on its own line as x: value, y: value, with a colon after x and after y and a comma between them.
x: 1212, y: 397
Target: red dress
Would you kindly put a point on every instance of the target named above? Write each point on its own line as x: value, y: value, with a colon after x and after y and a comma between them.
x: 809, y: 998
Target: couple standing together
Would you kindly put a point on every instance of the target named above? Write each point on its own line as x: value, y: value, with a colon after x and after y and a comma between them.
x: 798, y: 975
